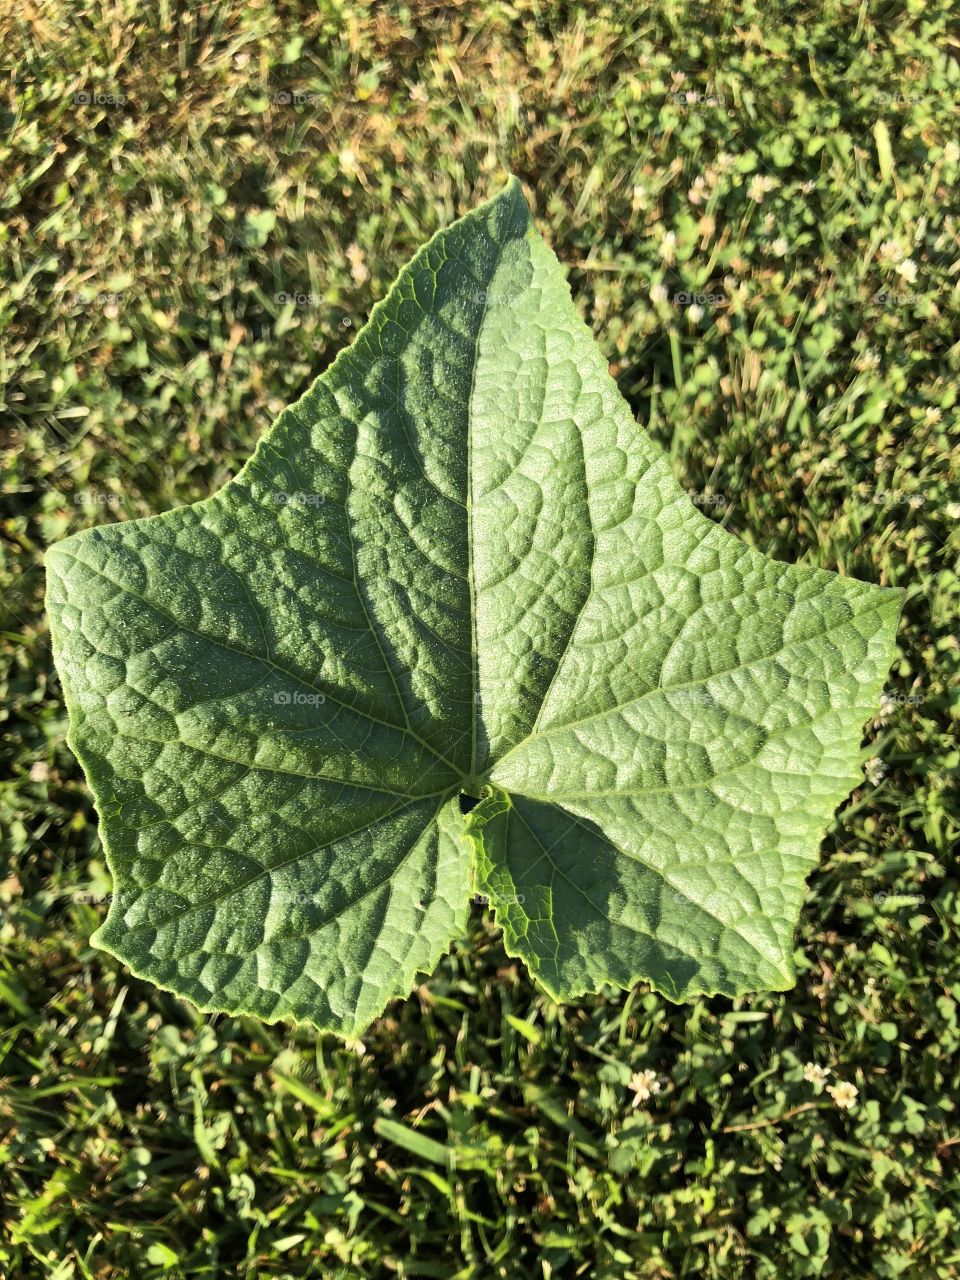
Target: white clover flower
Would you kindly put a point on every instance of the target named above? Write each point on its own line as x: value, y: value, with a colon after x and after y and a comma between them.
x: 908, y: 270
x: 756, y: 190
x: 760, y: 184
x: 844, y: 1094
x: 780, y: 246
x: 813, y: 1073
x: 644, y: 1085
x: 869, y: 359
x: 695, y: 312
x: 668, y: 247
x: 697, y: 190
x: 659, y: 293
x: 875, y: 770
x: 348, y: 162
x: 358, y: 267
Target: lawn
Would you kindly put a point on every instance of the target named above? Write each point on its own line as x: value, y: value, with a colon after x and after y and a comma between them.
x: 759, y: 210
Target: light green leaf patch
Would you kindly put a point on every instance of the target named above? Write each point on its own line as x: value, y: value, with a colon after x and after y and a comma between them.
x: 457, y: 566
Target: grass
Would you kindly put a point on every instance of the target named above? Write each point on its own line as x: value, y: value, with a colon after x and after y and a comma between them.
x: 794, y: 170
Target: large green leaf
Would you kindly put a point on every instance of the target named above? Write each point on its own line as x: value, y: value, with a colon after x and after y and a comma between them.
x: 457, y: 567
